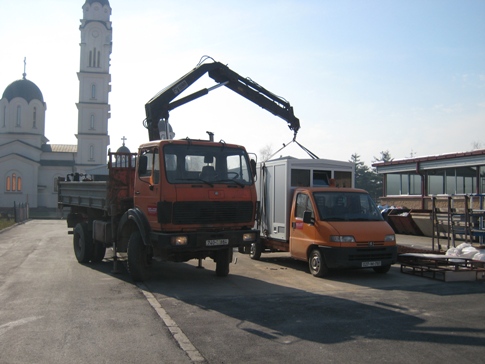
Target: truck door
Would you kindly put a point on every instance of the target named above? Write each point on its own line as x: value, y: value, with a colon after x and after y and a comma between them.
x: 301, y: 234
x: 147, y: 185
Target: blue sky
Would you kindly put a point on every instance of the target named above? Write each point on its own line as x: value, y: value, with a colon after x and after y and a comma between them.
x: 362, y: 76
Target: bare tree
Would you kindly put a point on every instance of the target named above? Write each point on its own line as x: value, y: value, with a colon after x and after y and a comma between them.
x: 266, y: 152
x: 476, y: 145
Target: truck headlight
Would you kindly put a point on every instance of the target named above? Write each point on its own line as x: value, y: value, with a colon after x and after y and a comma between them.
x: 179, y: 240
x: 390, y: 237
x: 249, y: 237
x: 342, y: 239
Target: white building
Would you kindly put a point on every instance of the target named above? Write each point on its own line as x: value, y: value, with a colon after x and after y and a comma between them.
x: 29, y: 165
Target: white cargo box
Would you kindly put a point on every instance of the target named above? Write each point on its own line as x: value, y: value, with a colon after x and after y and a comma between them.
x: 278, y: 178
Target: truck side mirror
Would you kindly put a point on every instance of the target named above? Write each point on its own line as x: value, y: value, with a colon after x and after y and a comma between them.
x: 307, y: 217
x: 142, y: 165
x: 252, y: 162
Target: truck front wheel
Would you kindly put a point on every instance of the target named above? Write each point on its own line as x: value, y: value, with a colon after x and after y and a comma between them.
x: 139, y: 258
x: 255, y: 251
x: 83, y: 243
x: 316, y: 263
x: 382, y: 269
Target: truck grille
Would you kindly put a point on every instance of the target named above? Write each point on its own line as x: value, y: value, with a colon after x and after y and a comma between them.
x: 212, y: 212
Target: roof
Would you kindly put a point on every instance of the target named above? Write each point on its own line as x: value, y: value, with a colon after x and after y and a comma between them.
x: 460, y: 159
x: 60, y: 148
x: 23, y: 88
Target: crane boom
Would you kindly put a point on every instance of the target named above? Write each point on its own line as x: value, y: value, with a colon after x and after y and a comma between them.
x: 159, y: 107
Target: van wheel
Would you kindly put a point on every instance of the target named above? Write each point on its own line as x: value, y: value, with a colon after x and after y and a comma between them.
x: 223, y: 259
x: 255, y: 251
x: 316, y: 263
x: 82, y: 243
x: 139, y: 258
x: 382, y: 269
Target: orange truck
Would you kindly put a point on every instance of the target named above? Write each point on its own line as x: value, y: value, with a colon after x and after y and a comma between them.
x: 174, y: 200
x: 309, y: 208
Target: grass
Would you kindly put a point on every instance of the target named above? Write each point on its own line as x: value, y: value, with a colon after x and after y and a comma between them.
x: 6, y: 223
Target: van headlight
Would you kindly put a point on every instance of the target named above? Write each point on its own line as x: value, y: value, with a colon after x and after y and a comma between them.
x: 390, y: 237
x: 342, y: 239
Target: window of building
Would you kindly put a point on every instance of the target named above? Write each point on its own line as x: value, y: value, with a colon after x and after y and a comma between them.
x: 93, y: 91
x: 34, y: 119
x: 19, y: 119
x: 4, y: 116
x: 91, y: 152
x: 13, y: 183
x: 91, y: 122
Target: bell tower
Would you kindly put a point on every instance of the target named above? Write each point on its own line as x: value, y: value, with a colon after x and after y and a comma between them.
x: 94, y: 84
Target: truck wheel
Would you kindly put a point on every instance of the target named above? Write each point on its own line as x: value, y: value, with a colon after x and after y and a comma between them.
x: 316, y: 263
x: 83, y: 243
x: 139, y: 258
x: 382, y: 269
x: 255, y: 251
x: 99, y: 252
x: 223, y: 258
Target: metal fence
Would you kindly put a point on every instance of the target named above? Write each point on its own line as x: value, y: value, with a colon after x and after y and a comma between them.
x: 19, y: 213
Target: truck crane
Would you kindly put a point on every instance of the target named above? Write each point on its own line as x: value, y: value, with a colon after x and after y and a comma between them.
x: 182, y: 199
x: 158, y: 108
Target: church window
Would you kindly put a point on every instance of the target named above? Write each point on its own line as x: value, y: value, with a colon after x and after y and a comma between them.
x: 90, y: 58
x: 13, y: 183
x: 91, y: 122
x: 99, y: 56
x: 19, y: 109
x: 91, y: 152
x: 93, y: 91
x: 34, y: 117
x: 4, y: 116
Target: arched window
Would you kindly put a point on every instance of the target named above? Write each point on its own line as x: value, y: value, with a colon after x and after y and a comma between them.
x: 34, y: 117
x: 91, y: 152
x: 90, y: 58
x: 91, y: 122
x: 13, y: 183
x: 93, y: 91
x: 99, y: 57
x: 19, y: 109
x: 4, y: 116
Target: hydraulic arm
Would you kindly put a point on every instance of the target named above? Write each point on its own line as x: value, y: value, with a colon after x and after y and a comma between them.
x: 158, y: 108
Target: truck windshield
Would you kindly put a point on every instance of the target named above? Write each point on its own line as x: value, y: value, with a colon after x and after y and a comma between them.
x: 207, y: 164
x: 346, y: 206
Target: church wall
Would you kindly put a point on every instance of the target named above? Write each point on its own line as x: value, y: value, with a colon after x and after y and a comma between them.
x: 18, y: 116
x: 28, y: 172
x: 94, y: 117
x: 20, y: 148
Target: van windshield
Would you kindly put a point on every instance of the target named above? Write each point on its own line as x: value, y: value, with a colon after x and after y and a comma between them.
x: 346, y: 206
x: 207, y: 164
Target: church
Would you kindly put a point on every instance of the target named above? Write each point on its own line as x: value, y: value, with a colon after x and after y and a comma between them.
x: 29, y: 165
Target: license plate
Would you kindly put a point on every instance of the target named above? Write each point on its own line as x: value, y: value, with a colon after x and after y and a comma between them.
x: 371, y: 264
x: 216, y: 242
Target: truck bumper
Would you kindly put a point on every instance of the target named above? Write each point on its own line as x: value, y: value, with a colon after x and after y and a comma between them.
x: 203, y: 241
x: 339, y: 258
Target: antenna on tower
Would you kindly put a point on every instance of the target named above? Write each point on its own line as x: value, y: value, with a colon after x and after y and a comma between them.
x: 25, y: 65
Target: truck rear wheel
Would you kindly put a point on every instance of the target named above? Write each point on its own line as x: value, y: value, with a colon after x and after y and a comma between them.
x: 316, y: 263
x: 223, y: 259
x: 83, y: 243
x: 139, y: 258
x: 99, y: 251
x: 255, y: 251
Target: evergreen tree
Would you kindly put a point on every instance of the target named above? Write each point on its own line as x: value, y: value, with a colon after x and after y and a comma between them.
x: 365, y: 177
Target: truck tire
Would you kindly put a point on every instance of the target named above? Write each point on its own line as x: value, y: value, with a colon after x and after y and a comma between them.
x: 82, y: 243
x: 255, y: 251
x: 382, y: 269
x: 99, y: 251
x: 139, y: 258
x: 223, y: 259
x: 316, y: 263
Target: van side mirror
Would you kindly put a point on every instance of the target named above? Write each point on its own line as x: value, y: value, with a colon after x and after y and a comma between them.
x: 142, y: 165
x: 307, y: 217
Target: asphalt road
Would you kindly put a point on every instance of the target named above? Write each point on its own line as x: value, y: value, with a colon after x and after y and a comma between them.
x: 54, y: 310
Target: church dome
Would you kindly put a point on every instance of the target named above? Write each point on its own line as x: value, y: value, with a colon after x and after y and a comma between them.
x: 123, y: 149
x: 102, y: 2
x: 23, y: 88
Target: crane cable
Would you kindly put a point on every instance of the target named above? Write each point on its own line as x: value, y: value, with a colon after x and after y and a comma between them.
x: 308, y: 151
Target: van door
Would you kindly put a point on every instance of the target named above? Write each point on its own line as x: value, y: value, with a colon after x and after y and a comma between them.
x: 302, y: 234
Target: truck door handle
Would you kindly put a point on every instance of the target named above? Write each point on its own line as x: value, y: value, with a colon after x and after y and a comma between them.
x: 293, y: 225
